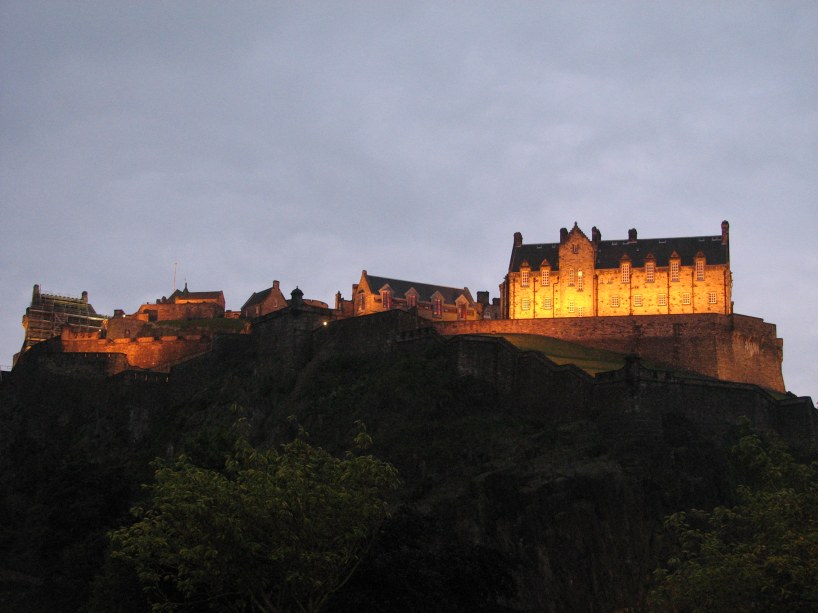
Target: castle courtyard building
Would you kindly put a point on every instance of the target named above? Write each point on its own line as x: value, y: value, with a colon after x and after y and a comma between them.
x: 374, y: 294
x: 589, y: 277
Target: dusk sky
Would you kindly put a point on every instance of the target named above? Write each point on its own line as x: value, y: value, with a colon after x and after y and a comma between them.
x: 305, y: 141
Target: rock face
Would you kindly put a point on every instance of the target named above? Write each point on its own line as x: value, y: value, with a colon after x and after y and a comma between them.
x: 526, y: 486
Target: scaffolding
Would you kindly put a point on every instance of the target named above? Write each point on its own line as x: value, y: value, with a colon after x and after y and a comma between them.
x: 50, y: 313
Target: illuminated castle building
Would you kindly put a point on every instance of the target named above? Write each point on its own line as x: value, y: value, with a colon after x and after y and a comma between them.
x: 582, y: 277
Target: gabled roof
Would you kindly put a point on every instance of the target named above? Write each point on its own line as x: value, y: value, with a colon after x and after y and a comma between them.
x: 188, y: 295
x: 425, y: 291
x: 609, y: 253
x: 257, y: 298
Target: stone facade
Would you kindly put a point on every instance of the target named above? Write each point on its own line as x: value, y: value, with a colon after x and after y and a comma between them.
x: 729, y: 347
x: 438, y: 302
x: 582, y: 277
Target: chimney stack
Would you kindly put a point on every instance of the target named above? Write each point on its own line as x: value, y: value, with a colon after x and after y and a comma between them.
x: 632, y: 235
x: 518, y: 239
x: 563, y: 235
x: 596, y: 235
x: 725, y: 232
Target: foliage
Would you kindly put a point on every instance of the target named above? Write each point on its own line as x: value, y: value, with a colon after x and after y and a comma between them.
x: 272, y: 531
x: 759, y: 555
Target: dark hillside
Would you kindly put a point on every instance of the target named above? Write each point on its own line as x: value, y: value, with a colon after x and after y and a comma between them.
x: 510, y: 500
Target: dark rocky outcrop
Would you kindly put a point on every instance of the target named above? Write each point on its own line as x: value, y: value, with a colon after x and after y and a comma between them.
x: 527, y: 486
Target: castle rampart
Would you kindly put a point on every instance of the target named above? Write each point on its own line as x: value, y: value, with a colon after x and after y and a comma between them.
x: 728, y: 347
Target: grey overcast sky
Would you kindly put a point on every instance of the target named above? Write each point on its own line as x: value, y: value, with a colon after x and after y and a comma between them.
x: 306, y: 141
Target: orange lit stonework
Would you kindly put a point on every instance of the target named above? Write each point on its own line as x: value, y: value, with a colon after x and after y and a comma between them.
x: 589, y: 277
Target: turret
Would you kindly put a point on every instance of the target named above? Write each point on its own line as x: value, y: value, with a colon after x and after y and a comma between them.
x: 297, y: 298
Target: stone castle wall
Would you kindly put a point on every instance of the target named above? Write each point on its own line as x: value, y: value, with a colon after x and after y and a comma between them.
x: 729, y: 347
x: 143, y: 352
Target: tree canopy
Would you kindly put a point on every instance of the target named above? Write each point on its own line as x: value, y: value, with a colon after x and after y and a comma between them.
x: 274, y: 530
x: 758, y: 555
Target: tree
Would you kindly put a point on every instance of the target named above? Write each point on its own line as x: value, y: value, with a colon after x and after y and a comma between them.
x: 272, y: 531
x: 759, y: 555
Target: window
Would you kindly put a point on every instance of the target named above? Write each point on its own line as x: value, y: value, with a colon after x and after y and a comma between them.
x: 711, y: 298
x: 637, y: 300
x: 386, y: 299
x: 437, y: 307
x: 411, y: 300
x: 546, y: 277
x: 461, y: 310
x: 674, y: 270
x: 662, y: 299
x: 575, y: 248
x: 571, y: 276
x: 547, y: 304
x: 626, y: 272
x: 571, y: 307
x: 650, y: 272
x: 614, y: 301
x: 362, y: 302
x: 580, y: 311
x: 526, y: 305
x: 580, y: 283
x: 685, y: 298
x: 699, y: 269
x: 524, y: 278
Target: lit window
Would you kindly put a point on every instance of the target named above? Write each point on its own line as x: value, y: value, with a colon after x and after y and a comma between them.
x: 571, y: 307
x: 580, y: 311
x: 580, y: 283
x: 614, y: 301
x: 662, y: 299
x: 437, y: 307
x: 699, y: 269
x: 626, y: 272
x: 411, y: 300
x: 637, y: 300
x: 650, y: 272
x: 526, y: 304
x: 571, y: 276
x: 461, y: 310
x: 685, y: 298
x: 524, y: 278
x: 386, y: 298
x: 546, y: 277
x: 547, y: 304
x: 711, y: 297
x: 674, y: 270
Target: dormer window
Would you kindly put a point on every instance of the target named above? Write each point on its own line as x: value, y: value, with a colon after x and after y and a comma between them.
x: 437, y: 307
x: 524, y: 274
x: 386, y: 299
x: 650, y: 271
x: 545, y: 276
x: 361, y: 302
x: 411, y: 300
x: 699, y: 266
x: 675, y: 266
x: 461, y: 310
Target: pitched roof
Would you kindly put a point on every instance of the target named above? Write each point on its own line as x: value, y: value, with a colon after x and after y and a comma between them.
x: 425, y: 291
x: 257, y: 298
x: 609, y: 253
x: 188, y: 295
